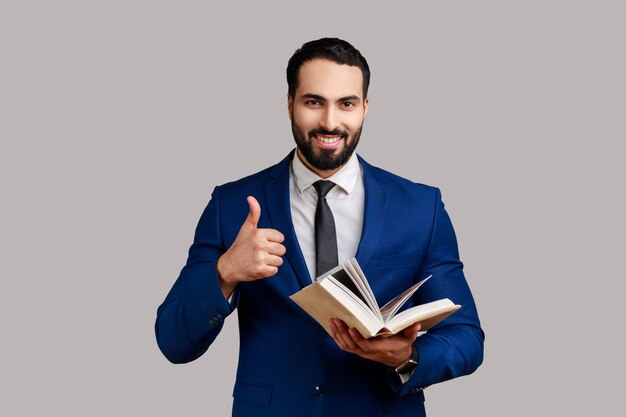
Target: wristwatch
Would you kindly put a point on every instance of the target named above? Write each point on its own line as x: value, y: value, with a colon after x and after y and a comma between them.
x: 410, y: 365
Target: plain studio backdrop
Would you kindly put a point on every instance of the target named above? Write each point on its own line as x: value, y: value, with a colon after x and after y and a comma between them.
x: 118, y: 118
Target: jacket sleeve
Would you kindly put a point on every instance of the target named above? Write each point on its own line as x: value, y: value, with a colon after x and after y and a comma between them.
x: 455, y: 346
x: 194, y: 310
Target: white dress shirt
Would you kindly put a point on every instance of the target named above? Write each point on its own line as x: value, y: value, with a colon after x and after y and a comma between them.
x: 346, y: 200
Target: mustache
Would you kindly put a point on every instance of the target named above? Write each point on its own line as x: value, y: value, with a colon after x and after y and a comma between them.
x: 323, y: 132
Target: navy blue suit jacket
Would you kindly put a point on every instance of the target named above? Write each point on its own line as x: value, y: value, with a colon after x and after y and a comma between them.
x: 288, y: 365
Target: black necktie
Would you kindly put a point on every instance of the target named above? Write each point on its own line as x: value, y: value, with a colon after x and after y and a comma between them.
x: 325, y: 233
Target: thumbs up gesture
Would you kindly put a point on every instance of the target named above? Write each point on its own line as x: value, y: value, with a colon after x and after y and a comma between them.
x: 255, y: 253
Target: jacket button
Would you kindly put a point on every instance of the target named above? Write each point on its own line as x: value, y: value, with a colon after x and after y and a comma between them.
x: 319, y: 390
x: 212, y: 323
x: 219, y: 317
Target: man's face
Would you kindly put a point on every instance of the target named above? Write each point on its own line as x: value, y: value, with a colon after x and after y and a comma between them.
x: 327, y: 113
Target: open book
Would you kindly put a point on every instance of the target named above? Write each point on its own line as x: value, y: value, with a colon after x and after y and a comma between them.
x: 344, y: 293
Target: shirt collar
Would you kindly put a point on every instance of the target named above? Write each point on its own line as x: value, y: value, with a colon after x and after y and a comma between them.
x: 345, y: 178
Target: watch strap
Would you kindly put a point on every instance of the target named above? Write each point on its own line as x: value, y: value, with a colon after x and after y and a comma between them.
x: 410, y: 365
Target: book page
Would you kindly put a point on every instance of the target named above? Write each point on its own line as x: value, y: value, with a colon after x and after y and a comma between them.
x: 427, y: 314
x: 342, y: 293
x: 323, y: 305
x: 353, y: 303
x: 360, y: 280
x: 342, y: 276
x: 392, y: 307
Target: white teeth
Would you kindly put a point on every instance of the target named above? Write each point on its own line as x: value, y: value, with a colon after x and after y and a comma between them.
x: 328, y: 140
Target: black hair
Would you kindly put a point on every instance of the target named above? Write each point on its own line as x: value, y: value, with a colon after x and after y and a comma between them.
x: 333, y: 49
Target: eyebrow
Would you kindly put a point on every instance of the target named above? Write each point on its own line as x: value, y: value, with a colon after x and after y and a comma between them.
x: 320, y: 98
x: 350, y: 98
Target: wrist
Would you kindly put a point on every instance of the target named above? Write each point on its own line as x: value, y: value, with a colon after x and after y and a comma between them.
x: 227, y: 285
x: 408, y: 366
x: 403, y: 359
x: 222, y: 272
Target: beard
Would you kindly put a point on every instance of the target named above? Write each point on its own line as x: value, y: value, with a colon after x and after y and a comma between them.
x: 325, y: 159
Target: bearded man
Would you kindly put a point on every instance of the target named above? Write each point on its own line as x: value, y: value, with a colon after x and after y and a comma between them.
x: 258, y: 242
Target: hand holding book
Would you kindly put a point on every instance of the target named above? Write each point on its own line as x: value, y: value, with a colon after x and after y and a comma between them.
x: 392, y: 351
x: 344, y: 293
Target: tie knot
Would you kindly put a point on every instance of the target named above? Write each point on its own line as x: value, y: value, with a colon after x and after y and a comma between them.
x: 323, y: 187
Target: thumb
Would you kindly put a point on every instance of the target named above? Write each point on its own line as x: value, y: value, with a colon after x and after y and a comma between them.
x: 412, y: 330
x: 255, y: 213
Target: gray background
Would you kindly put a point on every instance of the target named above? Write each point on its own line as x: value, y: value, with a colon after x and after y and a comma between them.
x: 118, y: 118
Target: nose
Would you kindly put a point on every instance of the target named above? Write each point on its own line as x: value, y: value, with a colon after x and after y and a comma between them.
x: 329, y: 120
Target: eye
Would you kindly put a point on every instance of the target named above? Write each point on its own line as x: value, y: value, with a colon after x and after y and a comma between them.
x: 349, y: 104
x: 312, y: 103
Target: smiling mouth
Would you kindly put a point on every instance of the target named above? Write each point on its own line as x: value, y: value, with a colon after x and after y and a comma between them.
x: 328, y: 143
x: 329, y: 139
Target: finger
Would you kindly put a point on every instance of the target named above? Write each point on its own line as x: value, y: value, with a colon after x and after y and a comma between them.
x: 343, y: 335
x: 333, y: 333
x: 267, y: 271
x: 355, y: 335
x: 274, y: 261
x: 254, y: 214
x: 272, y: 270
x: 364, y: 344
x: 341, y: 341
x: 411, y: 331
x: 276, y: 249
x: 273, y: 235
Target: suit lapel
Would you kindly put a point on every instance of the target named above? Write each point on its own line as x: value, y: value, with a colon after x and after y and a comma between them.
x: 375, y: 200
x: 279, y: 212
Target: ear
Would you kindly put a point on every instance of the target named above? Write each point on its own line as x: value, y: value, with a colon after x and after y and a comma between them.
x: 289, y: 105
x: 366, y: 102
